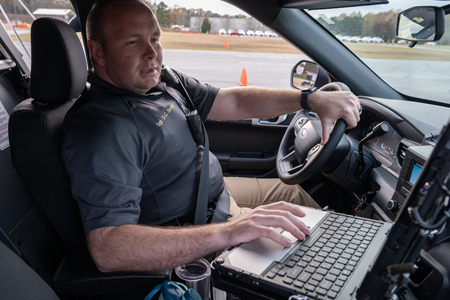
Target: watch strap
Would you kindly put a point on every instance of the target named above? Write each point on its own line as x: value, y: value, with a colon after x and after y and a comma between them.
x: 304, y: 98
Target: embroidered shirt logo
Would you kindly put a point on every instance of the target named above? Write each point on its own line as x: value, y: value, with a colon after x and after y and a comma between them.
x: 164, y: 116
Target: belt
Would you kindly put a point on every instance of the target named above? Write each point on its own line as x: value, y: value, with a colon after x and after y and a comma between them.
x: 218, y: 211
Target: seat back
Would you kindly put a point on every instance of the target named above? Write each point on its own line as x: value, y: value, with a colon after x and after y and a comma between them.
x: 58, y: 77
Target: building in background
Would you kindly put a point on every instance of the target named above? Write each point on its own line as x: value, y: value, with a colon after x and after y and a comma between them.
x: 226, y: 23
x: 61, y: 14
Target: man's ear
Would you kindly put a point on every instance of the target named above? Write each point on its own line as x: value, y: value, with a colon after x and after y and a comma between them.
x: 97, y: 53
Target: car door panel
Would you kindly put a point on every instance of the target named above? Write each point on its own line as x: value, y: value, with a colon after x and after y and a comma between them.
x: 247, y: 148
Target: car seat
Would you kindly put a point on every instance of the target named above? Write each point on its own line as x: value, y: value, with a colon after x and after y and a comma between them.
x: 58, y: 78
x: 19, y: 281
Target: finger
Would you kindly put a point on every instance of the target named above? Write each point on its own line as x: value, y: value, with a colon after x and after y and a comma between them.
x: 295, y: 209
x: 358, y: 109
x: 282, y: 219
x: 351, y: 120
x: 356, y: 115
x: 279, y: 238
x: 293, y: 213
x: 282, y: 205
x: 284, y: 239
x: 326, y: 129
x: 351, y: 116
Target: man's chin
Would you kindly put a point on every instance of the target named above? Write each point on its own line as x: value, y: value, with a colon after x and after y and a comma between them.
x: 144, y: 88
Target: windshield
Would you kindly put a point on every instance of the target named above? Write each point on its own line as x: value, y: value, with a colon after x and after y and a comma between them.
x: 369, y: 32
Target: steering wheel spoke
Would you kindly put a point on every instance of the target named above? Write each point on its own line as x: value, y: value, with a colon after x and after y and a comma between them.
x: 289, y: 164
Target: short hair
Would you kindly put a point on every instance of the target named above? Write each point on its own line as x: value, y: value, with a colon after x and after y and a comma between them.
x: 95, y: 20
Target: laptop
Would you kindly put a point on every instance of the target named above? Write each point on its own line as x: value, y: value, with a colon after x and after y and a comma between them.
x: 344, y: 257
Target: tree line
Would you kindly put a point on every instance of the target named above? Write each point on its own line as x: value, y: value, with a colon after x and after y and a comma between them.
x: 382, y: 24
x: 166, y: 16
x: 178, y: 15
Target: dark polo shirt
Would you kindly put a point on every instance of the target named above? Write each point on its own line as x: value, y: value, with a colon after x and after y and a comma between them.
x: 131, y: 157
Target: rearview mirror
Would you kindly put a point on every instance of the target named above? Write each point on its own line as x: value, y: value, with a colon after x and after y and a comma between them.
x: 307, y: 74
x: 421, y: 24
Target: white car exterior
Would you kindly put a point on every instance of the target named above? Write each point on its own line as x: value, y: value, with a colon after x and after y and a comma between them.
x: 259, y: 33
x: 377, y: 40
x: 222, y: 31
x: 250, y: 33
x: 268, y: 33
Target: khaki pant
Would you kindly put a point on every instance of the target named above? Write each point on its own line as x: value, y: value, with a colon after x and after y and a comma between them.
x: 248, y: 193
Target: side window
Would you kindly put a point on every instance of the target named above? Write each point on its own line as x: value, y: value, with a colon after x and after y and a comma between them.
x: 17, y: 20
x: 221, y: 45
x: 15, y: 34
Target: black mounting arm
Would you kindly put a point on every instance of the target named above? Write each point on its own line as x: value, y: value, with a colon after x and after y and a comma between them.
x: 377, y: 131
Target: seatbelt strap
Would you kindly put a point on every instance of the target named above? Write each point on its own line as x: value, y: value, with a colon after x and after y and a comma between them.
x: 201, y: 138
x: 201, y: 208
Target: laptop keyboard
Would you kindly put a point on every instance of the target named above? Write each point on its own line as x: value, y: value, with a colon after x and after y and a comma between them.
x: 324, y: 262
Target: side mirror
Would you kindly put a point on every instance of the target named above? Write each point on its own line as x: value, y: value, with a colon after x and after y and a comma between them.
x: 421, y: 24
x: 307, y: 74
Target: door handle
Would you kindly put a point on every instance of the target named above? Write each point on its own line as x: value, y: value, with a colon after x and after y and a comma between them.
x: 270, y: 122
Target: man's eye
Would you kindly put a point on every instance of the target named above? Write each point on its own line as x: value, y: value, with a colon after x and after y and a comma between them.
x: 132, y: 42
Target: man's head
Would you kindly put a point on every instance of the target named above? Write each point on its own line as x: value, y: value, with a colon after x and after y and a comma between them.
x: 123, y: 40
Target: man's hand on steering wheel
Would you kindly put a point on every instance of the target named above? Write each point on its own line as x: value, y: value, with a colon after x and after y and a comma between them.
x: 310, y: 136
x: 333, y: 105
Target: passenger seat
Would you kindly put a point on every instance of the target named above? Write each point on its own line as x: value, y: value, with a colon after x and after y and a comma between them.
x: 19, y: 281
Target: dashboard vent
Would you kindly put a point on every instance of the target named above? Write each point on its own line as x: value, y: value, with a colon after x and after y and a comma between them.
x: 401, y: 153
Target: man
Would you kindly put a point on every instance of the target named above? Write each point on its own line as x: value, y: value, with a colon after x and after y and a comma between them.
x: 139, y: 164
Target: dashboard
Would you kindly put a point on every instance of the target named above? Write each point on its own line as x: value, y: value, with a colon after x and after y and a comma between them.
x: 389, y: 149
x: 402, y: 152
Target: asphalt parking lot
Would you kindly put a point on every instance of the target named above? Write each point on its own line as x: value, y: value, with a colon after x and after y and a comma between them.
x: 224, y: 69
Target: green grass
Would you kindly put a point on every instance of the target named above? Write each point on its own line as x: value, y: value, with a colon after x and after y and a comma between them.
x: 26, y: 37
x: 419, y: 52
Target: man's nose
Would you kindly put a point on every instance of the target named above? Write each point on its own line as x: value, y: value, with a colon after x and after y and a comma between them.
x: 150, y: 52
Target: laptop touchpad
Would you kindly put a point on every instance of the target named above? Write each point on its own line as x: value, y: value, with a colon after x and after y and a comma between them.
x: 257, y: 255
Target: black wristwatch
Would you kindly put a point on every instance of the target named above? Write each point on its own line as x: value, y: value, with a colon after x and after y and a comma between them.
x: 304, y: 98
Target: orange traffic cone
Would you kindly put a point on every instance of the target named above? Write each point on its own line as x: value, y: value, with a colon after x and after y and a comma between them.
x: 226, y: 43
x: 243, y: 80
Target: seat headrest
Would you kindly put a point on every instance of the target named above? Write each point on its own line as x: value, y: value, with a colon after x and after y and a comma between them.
x: 58, y: 64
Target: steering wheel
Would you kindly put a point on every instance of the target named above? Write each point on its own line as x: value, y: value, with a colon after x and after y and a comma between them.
x: 296, y: 164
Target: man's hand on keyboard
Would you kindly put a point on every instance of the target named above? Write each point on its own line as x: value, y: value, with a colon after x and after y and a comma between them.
x: 261, y: 221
